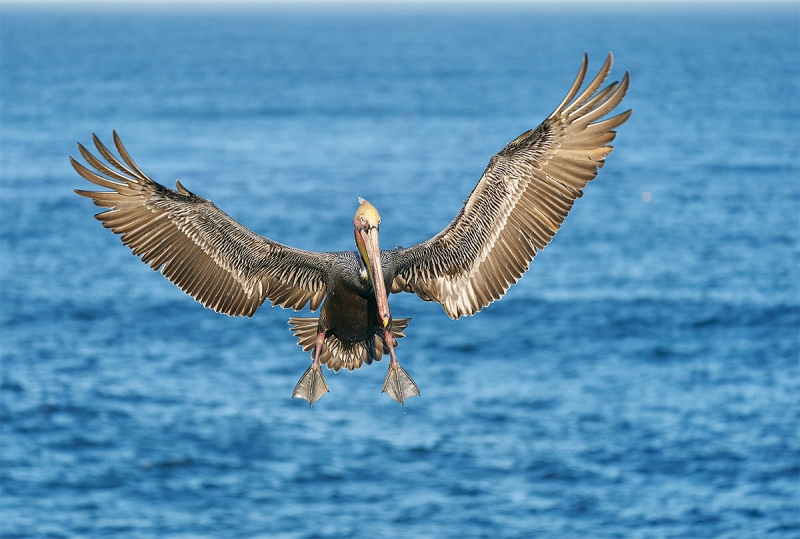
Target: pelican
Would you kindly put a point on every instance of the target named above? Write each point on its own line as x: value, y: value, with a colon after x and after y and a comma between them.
x: 514, y: 211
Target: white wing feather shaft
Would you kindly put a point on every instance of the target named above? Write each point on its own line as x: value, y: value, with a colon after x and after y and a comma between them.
x: 202, y: 250
x: 519, y: 203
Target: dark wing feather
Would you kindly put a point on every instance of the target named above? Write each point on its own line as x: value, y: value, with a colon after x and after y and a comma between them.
x: 211, y: 257
x: 518, y: 205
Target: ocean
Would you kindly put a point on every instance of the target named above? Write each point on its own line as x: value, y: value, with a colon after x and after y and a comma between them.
x: 641, y: 381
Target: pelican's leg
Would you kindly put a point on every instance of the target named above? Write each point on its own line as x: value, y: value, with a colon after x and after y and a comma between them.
x: 311, y: 385
x: 398, y: 385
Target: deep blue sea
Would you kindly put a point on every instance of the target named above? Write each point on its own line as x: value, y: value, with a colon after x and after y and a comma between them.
x: 641, y: 381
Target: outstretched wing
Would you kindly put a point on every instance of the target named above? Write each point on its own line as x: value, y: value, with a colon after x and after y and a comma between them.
x: 519, y: 203
x: 211, y: 257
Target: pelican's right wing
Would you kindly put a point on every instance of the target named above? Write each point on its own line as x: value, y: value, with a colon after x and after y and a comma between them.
x: 207, y: 254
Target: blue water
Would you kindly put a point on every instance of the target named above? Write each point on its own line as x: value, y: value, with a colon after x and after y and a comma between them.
x: 641, y: 381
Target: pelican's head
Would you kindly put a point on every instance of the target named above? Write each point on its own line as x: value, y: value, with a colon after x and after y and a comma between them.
x: 366, y: 223
x: 366, y: 216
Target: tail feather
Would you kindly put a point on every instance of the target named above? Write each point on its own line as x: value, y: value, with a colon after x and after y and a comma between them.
x: 336, y: 354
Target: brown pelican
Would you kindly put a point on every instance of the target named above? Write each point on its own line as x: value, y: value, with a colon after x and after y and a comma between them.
x: 517, y: 206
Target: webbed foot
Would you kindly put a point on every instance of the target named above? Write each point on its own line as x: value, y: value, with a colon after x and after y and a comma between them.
x: 311, y: 385
x: 399, y: 385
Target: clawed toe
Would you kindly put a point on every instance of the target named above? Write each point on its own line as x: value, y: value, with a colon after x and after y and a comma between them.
x: 311, y: 385
x: 399, y: 385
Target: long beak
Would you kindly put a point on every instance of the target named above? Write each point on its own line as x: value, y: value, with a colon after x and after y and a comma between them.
x: 367, y: 241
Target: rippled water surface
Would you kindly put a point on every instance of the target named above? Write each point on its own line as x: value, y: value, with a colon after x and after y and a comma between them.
x: 640, y: 381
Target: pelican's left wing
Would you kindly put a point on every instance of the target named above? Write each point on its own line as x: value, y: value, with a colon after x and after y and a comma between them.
x: 518, y: 205
x: 198, y: 247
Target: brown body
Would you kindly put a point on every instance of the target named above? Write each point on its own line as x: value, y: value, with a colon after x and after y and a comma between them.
x: 348, y: 318
x: 349, y: 314
x: 516, y: 208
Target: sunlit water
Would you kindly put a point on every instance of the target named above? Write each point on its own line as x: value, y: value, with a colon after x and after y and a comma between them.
x: 640, y: 381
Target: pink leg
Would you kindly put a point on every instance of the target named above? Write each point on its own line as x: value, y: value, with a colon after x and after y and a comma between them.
x: 398, y: 385
x: 318, y: 347
x: 312, y: 385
